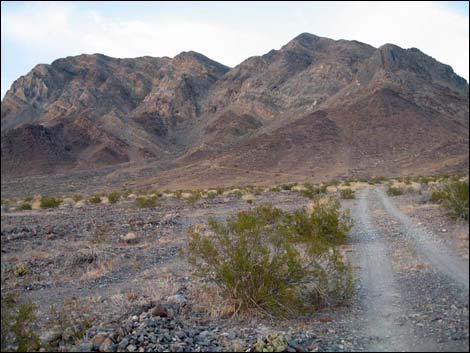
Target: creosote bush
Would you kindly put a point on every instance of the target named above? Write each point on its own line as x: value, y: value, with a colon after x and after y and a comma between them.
x: 18, y: 320
x: 347, y: 193
x: 454, y: 196
x: 276, y: 262
x: 49, y: 202
x: 146, y: 202
x: 394, y: 191
x: 25, y: 206
x: 312, y: 191
x: 114, y: 197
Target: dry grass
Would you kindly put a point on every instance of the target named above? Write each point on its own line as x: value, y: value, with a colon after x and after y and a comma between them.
x: 99, y: 269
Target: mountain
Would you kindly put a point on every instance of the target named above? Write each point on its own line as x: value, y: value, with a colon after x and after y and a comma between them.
x: 316, y: 107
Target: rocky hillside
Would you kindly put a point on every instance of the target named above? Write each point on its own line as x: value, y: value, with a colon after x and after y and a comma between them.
x: 316, y: 107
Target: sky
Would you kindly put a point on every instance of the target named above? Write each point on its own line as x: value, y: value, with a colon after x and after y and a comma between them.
x: 229, y: 32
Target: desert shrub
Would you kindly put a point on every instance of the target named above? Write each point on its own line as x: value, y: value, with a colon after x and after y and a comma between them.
x: 114, y: 197
x: 18, y: 320
x: 394, y: 191
x: 195, y: 196
x: 28, y: 199
x: 376, y: 180
x: 100, y: 235
x: 49, y: 202
x: 95, y: 199
x: 178, y: 194
x: 288, y: 187
x: 312, y: 190
x: 347, y: 193
x: 347, y: 183
x: 25, y: 206
x: 21, y: 270
x: 453, y: 196
x: 276, y: 262
x: 146, y: 202
x: 77, y: 197
x: 71, y: 319
x: 275, y: 189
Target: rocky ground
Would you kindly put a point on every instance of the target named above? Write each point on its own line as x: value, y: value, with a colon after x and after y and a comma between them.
x: 113, y: 277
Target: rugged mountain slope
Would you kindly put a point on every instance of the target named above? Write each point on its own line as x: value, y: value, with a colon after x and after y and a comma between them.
x: 96, y: 110
x: 315, y: 106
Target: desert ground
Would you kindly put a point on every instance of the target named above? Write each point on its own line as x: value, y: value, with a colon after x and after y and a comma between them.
x: 114, y: 276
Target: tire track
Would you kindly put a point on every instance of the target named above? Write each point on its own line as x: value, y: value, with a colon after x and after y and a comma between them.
x: 436, y: 253
x: 379, y: 292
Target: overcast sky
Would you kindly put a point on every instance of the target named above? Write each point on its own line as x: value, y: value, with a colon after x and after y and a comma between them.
x: 228, y: 32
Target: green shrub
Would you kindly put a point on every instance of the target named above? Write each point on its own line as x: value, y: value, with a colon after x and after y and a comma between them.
x: 95, y: 199
x: 313, y: 191
x: 276, y: 262
x: 77, y: 197
x: 347, y: 194
x: 195, y: 196
x: 49, y: 202
x: 376, y: 180
x: 114, y: 197
x: 453, y: 196
x: 21, y: 270
x: 288, y: 187
x: 25, y: 206
x: 72, y: 321
x: 17, y: 325
x: 394, y: 191
x: 146, y: 202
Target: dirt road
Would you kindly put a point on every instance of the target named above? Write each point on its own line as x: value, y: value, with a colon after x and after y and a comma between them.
x: 394, y: 283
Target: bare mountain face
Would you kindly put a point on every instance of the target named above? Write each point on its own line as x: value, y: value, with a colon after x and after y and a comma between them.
x: 315, y: 107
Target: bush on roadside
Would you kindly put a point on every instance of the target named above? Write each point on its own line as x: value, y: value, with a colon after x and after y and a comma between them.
x: 454, y: 197
x: 279, y: 263
x: 49, y: 202
x: 347, y: 194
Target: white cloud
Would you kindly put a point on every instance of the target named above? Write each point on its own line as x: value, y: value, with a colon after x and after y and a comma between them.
x: 45, y: 31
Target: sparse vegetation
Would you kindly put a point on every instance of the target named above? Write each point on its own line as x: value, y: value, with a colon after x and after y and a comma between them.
x: 279, y: 263
x: 95, y: 199
x: 394, y: 191
x: 347, y: 193
x: 100, y: 235
x: 195, y: 196
x: 114, y: 197
x: 18, y: 320
x: 69, y: 322
x: 25, y: 206
x: 312, y: 191
x: 21, y: 269
x: 49, y: 202
x: 454, y: 196
x: 146, y: 202
x: 77, y: 197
